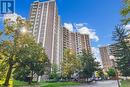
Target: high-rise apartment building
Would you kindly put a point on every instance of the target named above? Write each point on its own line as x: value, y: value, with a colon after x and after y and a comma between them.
x: 85, y: 42
x: 105, y: 56
x: 46, y: 28
x: 76, y: 41
x: 66, y: 38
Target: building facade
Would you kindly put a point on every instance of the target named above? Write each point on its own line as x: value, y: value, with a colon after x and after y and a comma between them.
x: 48, y: 31
x: 105, y: 56
x: 46, y: 28
x: 76, y: 41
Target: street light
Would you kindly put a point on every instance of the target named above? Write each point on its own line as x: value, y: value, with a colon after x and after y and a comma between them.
x: 114, y: 65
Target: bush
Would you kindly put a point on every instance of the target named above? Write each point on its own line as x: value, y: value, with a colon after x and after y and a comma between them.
x: 21, y: 74
x: 111, y: 72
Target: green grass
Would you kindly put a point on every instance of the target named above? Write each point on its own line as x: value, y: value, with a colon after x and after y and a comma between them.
x: 19, y: 83
x: 125, y: 83
x: 58, y: 84
x: 45, y: 84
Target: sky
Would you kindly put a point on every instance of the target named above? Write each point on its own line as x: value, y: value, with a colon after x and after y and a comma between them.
x: 94, y: 17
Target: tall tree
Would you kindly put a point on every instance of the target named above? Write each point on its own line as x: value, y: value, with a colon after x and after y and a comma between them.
x: 55, y: 72
x: 3, y: 64
x: 42, y: 67
x: 89, y: 65
x: 122, y: 49
x: 33, y: 60
x: 126, y: 11
x: 21, y: 49
x: 10, y: 46
x: 33, y: 56
x: 70, y: 63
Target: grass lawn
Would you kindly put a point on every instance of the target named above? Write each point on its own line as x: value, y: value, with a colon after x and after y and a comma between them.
x: 19, y: 83
x: 46, y: 84
x: 125, y: 83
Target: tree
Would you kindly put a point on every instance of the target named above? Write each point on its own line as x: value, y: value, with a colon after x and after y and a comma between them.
x: 33, y: 57
x: 126, y: 11
x: 55, y: 72
x: 70, y: 63
x: 3, y: 64
x: 100, y: 74
x: 36, y: 61
x: 89, y: 65
x: 3, y: 67
x: 21, y: 73
x: 21, y: 49
x: 40, y: 68
x: 111, y: 72
x: 41, y: 65
x: 122, y: 49
x: 10, y: 46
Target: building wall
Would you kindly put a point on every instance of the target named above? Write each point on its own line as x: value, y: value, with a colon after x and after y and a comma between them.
x: 85, y: 42
x: 45, y: 27
x: 105, y: 56
x: 66, y: 38
x: 76, y: 41
x: 47, y: 30
x: 73, y: 41
x: 59, y: 43
x: 78, y: 44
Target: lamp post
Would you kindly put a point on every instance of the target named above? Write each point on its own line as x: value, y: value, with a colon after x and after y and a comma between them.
x: 116, y: 71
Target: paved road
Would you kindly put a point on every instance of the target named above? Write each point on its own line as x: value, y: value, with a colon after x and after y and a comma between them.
x: 101, y: 84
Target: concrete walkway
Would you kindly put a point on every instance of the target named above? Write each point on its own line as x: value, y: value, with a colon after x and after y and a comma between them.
x: 99, y: 84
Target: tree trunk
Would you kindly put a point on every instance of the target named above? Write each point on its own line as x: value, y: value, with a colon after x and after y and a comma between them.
x: 31, y: 78
x: 37, y: 78
x: 8, y: 75
x: 87, y: 80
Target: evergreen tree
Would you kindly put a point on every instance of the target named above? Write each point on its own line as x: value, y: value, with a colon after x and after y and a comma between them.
x: 89, y: 65
x: 122, y: 49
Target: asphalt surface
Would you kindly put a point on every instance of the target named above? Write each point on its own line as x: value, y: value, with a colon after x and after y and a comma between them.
x: 99, y: 84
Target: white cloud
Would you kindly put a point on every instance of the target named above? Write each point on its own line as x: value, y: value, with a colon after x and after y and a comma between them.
x: 69, y: 26
x: 96, y: 53
x: 90, y: 32
x: 13, y: 17
x: 127, y: 26
x: 80, y: 24
x: 82, y: 29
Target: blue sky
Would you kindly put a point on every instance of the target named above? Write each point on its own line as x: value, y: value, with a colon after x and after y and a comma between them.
x: 99, y: 15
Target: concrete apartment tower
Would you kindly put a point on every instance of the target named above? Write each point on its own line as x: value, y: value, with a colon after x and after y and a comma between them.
x: 105, y: 56
x: 46, y: 28
x: 76, y: 41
